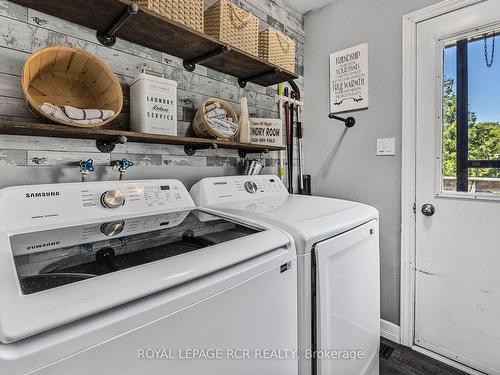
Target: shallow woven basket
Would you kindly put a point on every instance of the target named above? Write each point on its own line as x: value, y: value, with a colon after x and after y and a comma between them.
x: 63, y: 75
x: 277, y: 48
x: 232, y: 25
x: 202, y: 127
x: 186, y: 12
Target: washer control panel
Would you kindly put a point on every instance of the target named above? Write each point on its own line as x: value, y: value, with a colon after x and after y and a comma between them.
x: 148, y: 196
x: 217, y: 190
x: 69, y: 202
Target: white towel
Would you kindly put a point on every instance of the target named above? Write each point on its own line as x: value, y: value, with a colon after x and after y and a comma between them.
x: 87, y: 114
x: 228, y: 128
x: 212, y: 107
x: 217, y: 113
x: 56, y: 111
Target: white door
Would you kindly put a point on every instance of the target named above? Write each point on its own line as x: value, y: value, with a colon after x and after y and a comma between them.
x: 348, y: 302
x: 457, y: 306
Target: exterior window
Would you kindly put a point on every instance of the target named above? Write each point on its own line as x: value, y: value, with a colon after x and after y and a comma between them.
x: 471, y: 115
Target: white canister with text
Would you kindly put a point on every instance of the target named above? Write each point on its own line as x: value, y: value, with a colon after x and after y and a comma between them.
x: 153, y: 105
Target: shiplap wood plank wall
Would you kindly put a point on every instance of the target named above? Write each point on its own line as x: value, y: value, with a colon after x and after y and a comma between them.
x: 23, y: 31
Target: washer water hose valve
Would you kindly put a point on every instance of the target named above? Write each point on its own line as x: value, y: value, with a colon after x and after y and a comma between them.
x: 86, y: 166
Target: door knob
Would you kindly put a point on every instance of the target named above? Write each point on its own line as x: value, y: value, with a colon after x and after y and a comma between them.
x: 428, y: 209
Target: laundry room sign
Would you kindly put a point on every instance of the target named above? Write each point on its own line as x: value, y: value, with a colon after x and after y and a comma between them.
x: 266, y: 131
x: 349, y: 79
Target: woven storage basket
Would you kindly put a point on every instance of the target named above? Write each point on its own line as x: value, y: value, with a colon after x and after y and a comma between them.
x: 186, y: 12
x: 63, y: 75
x: 202, y: 127
x: 234, y: 26
x: 277, y: 48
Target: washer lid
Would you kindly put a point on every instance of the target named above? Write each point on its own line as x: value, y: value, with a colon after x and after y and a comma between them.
x: 50, y: 276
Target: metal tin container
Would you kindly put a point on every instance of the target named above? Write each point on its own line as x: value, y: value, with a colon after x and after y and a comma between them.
x: 153, y: 104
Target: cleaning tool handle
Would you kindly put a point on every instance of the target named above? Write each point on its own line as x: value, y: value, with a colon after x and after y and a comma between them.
x: 299, y: 130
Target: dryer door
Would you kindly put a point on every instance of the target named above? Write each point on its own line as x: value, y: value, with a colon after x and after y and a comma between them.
x: 347, y: 302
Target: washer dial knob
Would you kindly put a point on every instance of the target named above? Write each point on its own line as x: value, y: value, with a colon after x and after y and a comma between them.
x: 113, y: 228
x: 250, y: 187
x: 113, y: 199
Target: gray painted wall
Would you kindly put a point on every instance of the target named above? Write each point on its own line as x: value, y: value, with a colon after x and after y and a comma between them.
x: 29, y: 160
x: 342, y: 162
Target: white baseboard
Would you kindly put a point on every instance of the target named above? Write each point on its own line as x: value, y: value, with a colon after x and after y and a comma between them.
x: 389, y: 331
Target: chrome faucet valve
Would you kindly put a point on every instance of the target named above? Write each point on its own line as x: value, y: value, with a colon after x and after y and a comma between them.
x: 122, y: 166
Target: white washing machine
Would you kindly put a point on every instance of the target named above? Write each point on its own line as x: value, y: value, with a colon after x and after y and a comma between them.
x: 337, y: 244
x: 124, y: 278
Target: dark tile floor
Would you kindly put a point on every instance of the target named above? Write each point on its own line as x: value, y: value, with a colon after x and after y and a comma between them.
x: 405, y: 361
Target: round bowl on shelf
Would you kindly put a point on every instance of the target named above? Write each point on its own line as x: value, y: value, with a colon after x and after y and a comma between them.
x: 201, y: 126
x: 64, y: 75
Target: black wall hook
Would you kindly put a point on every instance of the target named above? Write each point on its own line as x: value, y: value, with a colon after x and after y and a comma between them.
x: 349, y: 121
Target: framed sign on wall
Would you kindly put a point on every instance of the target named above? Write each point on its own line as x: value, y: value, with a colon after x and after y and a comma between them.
x: 349, y: 79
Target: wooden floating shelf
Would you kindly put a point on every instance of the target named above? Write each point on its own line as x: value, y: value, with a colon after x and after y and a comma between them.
x: 151, y: 30
x: 110, y: 135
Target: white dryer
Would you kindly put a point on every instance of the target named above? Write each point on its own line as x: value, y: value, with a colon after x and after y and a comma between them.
x: 124, y: 277
x: 337, y: 245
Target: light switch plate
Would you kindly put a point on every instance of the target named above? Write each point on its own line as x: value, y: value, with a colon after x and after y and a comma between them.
x: 386, y: 146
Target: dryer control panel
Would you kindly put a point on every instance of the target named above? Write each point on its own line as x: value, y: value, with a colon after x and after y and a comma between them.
x: 70, y: 202
x: 217, y: 190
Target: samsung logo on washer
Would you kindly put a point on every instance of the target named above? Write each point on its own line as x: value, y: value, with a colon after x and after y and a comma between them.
x: 220, y: 183
x: 44, y: 194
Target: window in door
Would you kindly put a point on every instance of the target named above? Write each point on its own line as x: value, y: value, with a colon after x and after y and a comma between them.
x: 470, y: 160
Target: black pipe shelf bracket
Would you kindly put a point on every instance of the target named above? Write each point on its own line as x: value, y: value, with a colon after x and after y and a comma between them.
x: 108, y: 38
x: 190, y: 150
x: 190, y: 65
x: 349, y: 121
x: 243, y: 153
x: 108, y: 146
x: 243, y: 81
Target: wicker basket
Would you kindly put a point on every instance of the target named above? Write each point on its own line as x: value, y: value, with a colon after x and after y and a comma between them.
x: 202, y: 127
x: 232, y: 25
x: 63, y: 75
x: 277, y: 48
x: 186, y: 12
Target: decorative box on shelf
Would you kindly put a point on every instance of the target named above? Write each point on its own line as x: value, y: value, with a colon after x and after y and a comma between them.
x: 277, y: 48
x: 230, y: 24
x: 153, y: 105
x: 186, y: 12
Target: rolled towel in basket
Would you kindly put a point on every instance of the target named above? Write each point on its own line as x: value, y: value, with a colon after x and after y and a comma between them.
x: 87, y: 114
x: 226, y: 127
x: 213, y: 106
x: 217, y: 113
x: 57, y: 112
